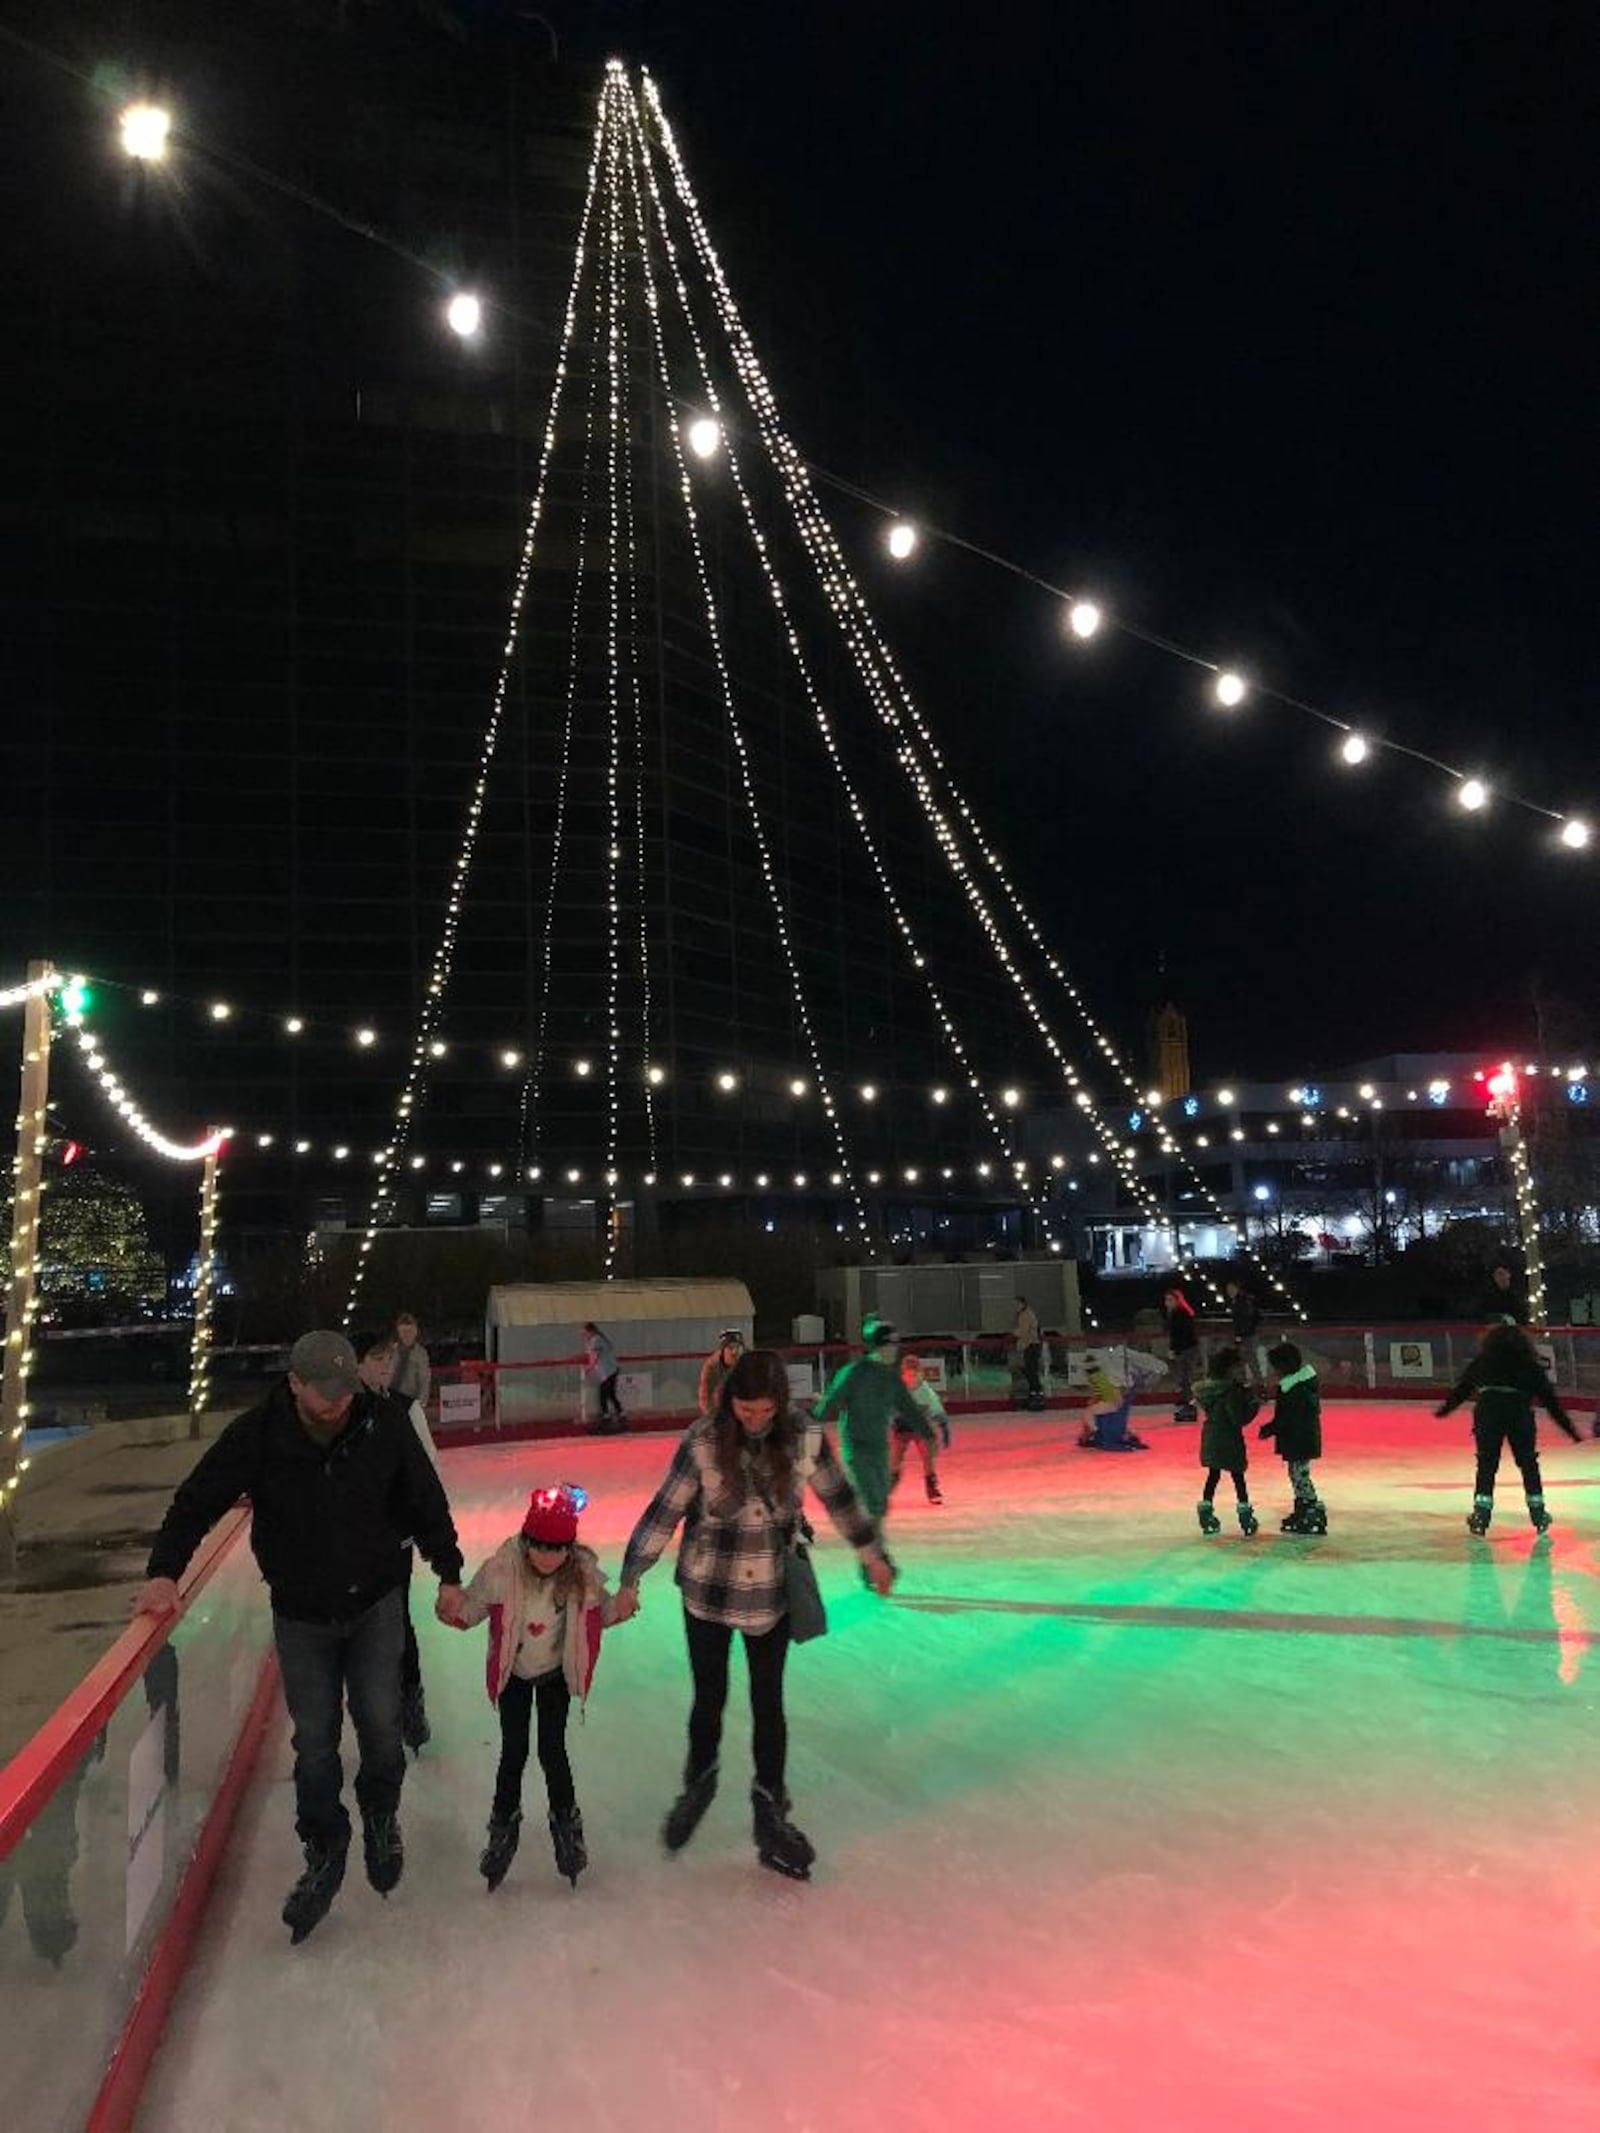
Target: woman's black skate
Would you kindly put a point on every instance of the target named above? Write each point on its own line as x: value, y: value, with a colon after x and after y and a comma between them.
x: 1479, y: 1516
x: 566, y: 1834
x: 779, y: 1844
x: 384, y: 1850
x: 1249, y: 1524
x: 505, y: 1834
x: 310, y: 1900
x: 685, y: 1813
x: 1207, y: 1515
x: 1538, y: 1517
x: 935, y: 1493
x: 1309, y: 1517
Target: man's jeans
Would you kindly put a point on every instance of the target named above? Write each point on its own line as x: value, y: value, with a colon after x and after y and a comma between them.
x: 321, y: 1662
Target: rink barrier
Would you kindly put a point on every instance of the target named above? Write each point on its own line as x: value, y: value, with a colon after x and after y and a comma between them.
x: 117, y: 2104
x: 550, y: 1398
x: 113, y: 1819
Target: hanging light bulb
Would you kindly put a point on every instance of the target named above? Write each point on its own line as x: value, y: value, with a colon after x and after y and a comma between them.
x: 1354, y: 749
x: 704, y: 437
x: 1230, y: 689
x: 144, y: 130
x: 655, y: 1076
x: 1084, y: 618
x: 727, y: 1082
x: 902, y: 539
x: 1472, y: 794
x: 366, y: 1038
x: 799, y: 1087
x: 464, y: 314
x: 1574, y: 834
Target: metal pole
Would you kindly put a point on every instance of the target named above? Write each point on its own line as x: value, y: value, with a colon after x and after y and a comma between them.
x: 205, y: 1283
x: 27, y: 1173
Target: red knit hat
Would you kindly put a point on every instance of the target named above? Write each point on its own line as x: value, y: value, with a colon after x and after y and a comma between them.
x: 552, y: 1519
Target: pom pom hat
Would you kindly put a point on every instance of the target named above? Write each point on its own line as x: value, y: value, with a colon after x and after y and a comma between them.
x: 552, y: 1520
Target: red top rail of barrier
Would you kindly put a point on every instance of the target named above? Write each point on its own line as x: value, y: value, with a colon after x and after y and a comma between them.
x: 35, y: 1771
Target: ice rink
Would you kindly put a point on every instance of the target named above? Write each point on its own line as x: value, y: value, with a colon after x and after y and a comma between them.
x: 1118, y: 1827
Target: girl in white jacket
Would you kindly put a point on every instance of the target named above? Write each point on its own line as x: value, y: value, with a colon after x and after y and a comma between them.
x: 545, y: 1600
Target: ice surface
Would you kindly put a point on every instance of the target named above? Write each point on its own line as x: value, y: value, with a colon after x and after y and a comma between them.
x: 1118, y: 1827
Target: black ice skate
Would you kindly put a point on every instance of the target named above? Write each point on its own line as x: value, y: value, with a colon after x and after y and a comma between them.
x: 935, y: 1493
x: 1538, y: 1517
x: 1309, y: 1517
x: 384, y: 1851
x: 1186, y: 1411
x: 414, y: 1728
x: 1249, y: 1524
x: 1207, y: 1515
x: 566, y: 1835
x: 779, y: 1844
x: 685, y: 1814
x: 310, y: 1900
x: 505, y: 1834
x: 1479, y: 1516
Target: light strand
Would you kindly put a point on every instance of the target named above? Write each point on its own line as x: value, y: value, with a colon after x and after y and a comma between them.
x: 204, y: 1288
x: 444, y: 955
x: 817, y: 538
x: 616, y: 356
x: 127, y: 1107
x: 1004, y: 1141
x: 736, y: 733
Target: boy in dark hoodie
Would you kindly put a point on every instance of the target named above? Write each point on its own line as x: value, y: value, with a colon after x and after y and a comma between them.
x: 1229, y: 1407
x: 1296, y: 1428
x: 1503, y: 1380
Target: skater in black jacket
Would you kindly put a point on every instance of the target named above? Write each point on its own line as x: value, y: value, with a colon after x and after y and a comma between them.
x: 1229, y: 1408
x: 1296, y: 1428
x: 1183, y: 1345
x: 1504, y: 1380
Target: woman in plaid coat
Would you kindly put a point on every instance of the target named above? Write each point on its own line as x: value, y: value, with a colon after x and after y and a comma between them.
x: 736, y: 1484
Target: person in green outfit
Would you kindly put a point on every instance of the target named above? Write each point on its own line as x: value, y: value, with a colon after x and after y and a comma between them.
x: 869, y: 1397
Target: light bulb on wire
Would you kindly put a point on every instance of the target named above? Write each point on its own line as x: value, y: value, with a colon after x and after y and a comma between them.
x: 1472, y: 794
x: 1084, y: 619
x: 704, y: 437
x: 1230, y: 689
x: 902, y: 540
x: 464, y: 314
x: 144, y: 130
x: 1354, y: 749
x: 1575, y: 834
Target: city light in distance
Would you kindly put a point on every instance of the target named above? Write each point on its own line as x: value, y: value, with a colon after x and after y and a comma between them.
x: 220, y: 1011
x: 941, y: 1096
x: 869, y: 1092
x: 293, y: 1026
x: 510, y: 1059
x: 144, y: 130
x: 463, y: 314
x: 704, y: 437
x: 583, y: 1068
x: 1230, y: 689
x: 150, y: 999
x: 1354, y: 749
x: 902, y: 540
x: 1224, y: 1096
x: 1084, y: 618
x: 727, y: 1082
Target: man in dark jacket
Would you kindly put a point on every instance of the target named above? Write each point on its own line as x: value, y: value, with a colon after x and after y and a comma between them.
x: 1244, y: 1315
x: 1505, y: 1296
x: 338, y: 1480
x: 1183, y: 1346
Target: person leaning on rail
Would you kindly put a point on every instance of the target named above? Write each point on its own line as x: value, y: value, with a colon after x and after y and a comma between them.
x: 339, y: 1484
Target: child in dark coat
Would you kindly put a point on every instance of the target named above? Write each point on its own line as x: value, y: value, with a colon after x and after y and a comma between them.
x: 1296, y: 1427
x: 1229, y: 1407
x: 1504, y: 1380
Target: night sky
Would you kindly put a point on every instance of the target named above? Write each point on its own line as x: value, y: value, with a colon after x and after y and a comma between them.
x: 1270, y: 326
x: 1274, y: 328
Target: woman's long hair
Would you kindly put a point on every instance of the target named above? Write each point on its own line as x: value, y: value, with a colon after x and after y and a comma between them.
x: 1508, y: 1357
x: 759, y: 1374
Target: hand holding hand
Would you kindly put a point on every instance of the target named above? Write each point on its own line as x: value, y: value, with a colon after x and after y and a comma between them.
x: 626, y: 1604
x: 448, y: 1606
x: 158, y: 1597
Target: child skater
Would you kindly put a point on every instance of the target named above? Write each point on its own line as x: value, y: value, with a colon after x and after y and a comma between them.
x: 867, y: 1396
x: 545, y: 1601
x: 1297, y: 1426
x: 1503, y: 1380
x: 931, y: 1406
x: 1229, y: 1407
x: 1106, y: 1428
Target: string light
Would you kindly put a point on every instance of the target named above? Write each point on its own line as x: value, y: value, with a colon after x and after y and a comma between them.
x: 1354, y: 749
x: 444, y: 953
x: 1230, y: 690
x: 464, y: 314
x: 616, y: 345
x: 902, y: 540
x: 1084, y: 619
x: 205, y: 1280
x: 27, y: 1162
x: 93, y: 1053
x: 1575, y: 834
x: 1472, y: 794
x: 705, y: 437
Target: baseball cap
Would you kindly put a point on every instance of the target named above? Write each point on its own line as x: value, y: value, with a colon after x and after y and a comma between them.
x: 327, y: 1363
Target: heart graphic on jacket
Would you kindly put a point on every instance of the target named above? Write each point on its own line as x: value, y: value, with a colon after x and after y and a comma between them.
x: 536, y: 1629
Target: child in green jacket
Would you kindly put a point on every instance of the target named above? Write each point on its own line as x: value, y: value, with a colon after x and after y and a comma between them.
x: 1229, y: 1407
x: 1297, y: 1427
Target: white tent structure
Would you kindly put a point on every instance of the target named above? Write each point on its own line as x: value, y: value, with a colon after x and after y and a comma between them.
x: 662, y: 1331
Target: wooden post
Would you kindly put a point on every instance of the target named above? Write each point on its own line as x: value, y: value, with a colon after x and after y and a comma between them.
x: 1516, y: 1148
x: 27, y: 1173
x: 205, y: 1283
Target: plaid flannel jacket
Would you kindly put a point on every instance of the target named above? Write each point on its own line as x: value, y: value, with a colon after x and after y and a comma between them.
x: 730, y: 1562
